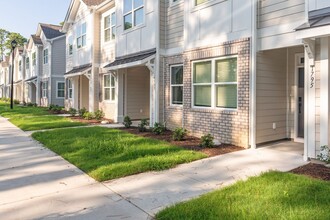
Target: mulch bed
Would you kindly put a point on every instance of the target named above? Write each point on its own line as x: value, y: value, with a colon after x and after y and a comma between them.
x: 189, y: 142
x: 313, y: 170
x: 89, y: 122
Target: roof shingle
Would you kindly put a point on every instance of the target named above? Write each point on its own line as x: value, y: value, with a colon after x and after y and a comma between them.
x: 51, y: 31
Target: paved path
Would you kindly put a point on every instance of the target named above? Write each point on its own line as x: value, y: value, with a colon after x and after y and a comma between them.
x: 35, y: 183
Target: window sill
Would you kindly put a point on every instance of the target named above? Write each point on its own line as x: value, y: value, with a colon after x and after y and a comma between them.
x: 227, y: 111
x: 172, y: 106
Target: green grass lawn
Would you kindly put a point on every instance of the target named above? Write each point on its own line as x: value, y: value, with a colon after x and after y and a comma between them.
x: 273, y: 195
x: 34, y: 118
x: 106, y: 154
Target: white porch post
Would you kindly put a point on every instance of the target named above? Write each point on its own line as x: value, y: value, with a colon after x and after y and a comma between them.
x: 324, y: 92
x: 152, y: 66
x: 309, y: 122
x: 120, y: 91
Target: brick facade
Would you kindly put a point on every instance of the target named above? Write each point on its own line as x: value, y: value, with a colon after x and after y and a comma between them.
x: 227, y: 126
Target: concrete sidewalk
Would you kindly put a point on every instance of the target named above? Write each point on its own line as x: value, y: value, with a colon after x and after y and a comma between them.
x: 35, y: 183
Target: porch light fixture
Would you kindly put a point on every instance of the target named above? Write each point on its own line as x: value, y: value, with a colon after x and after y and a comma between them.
x: 13, y: 46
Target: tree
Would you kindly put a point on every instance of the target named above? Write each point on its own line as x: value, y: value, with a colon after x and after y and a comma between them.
x: 3, y: 38
x: 14, y: 36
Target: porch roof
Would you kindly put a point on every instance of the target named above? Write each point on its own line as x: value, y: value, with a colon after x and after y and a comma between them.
x: 31, y: 79
x: 78, y: 70
x: 131, y: 60
x: 18, y: 81
x: 317, y: 25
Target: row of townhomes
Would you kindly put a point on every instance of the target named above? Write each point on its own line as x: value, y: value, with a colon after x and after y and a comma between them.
x: 247, y: 71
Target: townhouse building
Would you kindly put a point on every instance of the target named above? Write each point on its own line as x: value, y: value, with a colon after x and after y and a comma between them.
x: 19, y: 74
x: 4, y: 77
x: 45, y: 66
x: 248, y: 72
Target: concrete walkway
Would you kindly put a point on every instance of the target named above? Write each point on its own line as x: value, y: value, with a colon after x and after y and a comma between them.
x: 35, y: 183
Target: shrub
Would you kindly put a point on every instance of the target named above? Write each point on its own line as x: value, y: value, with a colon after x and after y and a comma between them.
x: 99, y: 114
x: 207, y: 141
x: 16, y: 102
x: 324, y: 154
x: 73, y: 112
x: 158, y: 128
x: 24, y: 103
x: 35, y: 105
x: 51, y: 107
x: 142, y: 126
x: 55, y: 108
x: 82, y: 111
x: 127, y: 122
x: 179, y: 134
x: 88, y: 115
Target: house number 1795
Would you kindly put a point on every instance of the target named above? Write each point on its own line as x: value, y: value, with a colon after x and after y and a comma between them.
x: 312, y: 77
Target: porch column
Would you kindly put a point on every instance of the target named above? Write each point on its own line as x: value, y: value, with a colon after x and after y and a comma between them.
x: 120, y: 91
x: 152, y: 66
x: 309, y: 123
x: 324, y: 92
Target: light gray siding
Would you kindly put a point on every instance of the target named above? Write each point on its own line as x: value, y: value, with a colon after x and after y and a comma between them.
x: 175, y: 25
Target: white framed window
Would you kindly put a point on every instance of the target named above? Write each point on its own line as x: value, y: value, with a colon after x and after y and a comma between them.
x: 198, y: 2
x: 133, y: 13
x: 70, y: 45
x: 176, y: 84
x: 34, y: 59
x: 60, y: 88
x: 27, y: 63
x: 215, y: 83
x: 81, y: 35
x: 20, y: 65
x: 173, y: 2
x: 109, y: 87
x: 44, y: 89
x: 110, y: 27
x: 70, y: 89
x: 45, y: 56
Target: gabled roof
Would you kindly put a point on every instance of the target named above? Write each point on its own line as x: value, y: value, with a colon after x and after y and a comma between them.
x: 93, y: 2
x: 51, y: 31
x: 36, y: 40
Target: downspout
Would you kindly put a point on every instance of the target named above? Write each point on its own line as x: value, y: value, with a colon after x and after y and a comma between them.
x: 253, y: 90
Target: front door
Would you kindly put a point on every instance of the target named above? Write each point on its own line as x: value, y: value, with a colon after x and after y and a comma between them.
x: 301, y: 88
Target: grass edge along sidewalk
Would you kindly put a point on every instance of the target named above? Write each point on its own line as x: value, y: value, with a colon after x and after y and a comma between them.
x: 106, y: 154
x: 273, y: 195
x: 34, y: 118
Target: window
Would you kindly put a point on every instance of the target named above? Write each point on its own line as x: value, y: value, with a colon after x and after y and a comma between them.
x: 215, y: 83
x: 60, y: 89
x: 44, y: 89
x: 133, y: 13
x: 109, y: 87
x: 110, y: 27
x: 34, y: 59
x: 81, y: 35
x: 198, y: 2
x: 70, y: 46
x: 20, y: 65
x: 45, y: 56
x: 177, y: 85
x: 70, y: 89
x: 27, y: 63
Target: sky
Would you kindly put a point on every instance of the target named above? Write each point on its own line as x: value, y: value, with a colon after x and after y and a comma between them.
x: 23, y: 16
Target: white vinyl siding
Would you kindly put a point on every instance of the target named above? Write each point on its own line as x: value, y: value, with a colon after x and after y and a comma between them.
x: 177, y: 84
x: 215, y: 83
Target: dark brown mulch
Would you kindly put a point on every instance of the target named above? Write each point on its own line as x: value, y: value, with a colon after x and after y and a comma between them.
x: 313, y: 170
x: 189, y: 142
x: 57, y: 112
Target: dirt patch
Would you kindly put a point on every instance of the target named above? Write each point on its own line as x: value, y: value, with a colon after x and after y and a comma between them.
x: 313, y: 170
x: 189, y: 142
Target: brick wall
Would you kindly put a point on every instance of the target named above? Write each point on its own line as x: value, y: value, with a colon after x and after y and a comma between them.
x: 227, y: 126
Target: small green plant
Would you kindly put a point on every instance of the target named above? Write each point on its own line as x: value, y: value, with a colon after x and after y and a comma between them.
x: 99, y: 114
x: 72, y: 112
x: 51, y: 107
x: 179, y: 134
x: 207, y: 141
x: 24, y: 103
x: 16, y: 102
x: 82, y: 111
x: 29, y: 104
x: 324, y: 154
x: 158, y: 128
x: 142, y: 126
x: 88, y: 115
x: 35, y: 105
x: 127, y: 122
